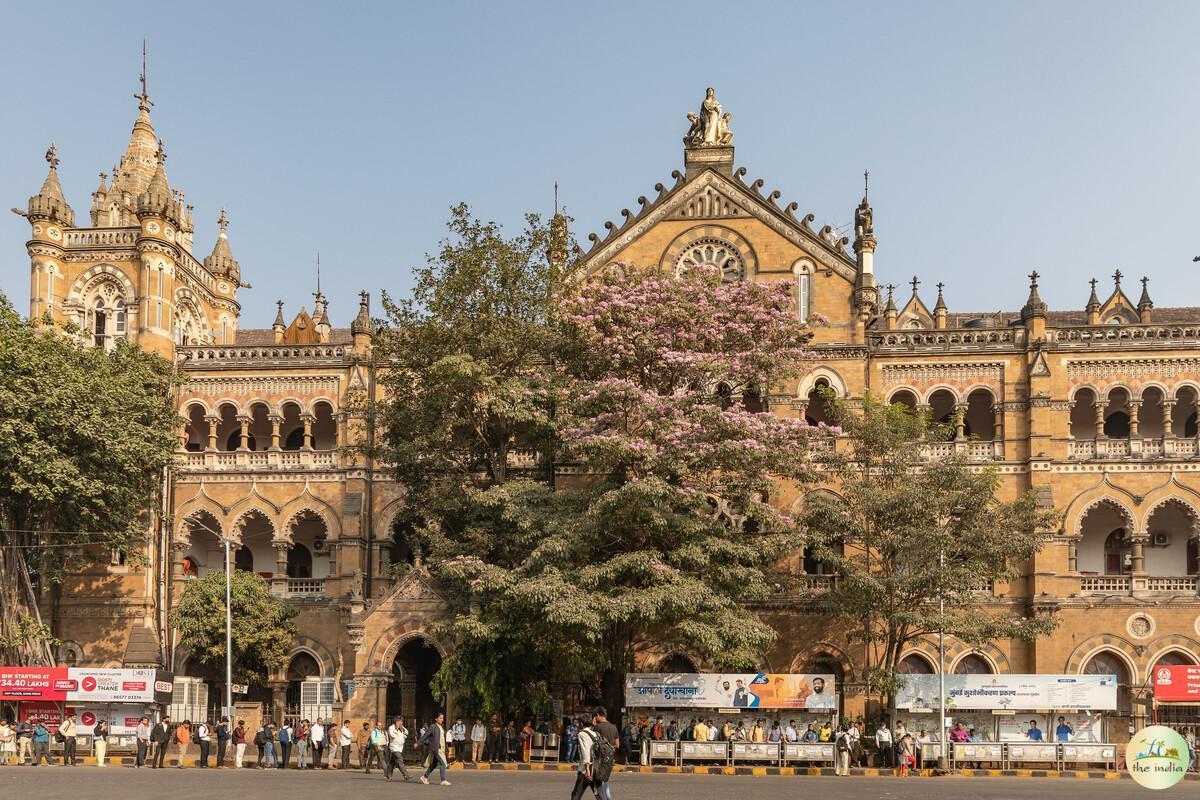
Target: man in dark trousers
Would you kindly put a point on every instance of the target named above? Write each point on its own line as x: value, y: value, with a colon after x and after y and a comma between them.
x: 222, y: 741
x: 605, y: 730
x: 583, y: 777
x: 161, y: 737
x: 204, y: 739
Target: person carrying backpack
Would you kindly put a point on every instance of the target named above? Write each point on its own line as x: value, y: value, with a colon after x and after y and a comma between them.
x: 584, y: 777
x: 604, y: 752
x: 841, y: 751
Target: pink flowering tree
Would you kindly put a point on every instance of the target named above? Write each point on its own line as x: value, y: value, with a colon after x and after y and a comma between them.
x: 665, y: 527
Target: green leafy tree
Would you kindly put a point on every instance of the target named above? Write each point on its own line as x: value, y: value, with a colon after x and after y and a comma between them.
x: 669, y: 530
x: 85, y: 435
x: 903, y: 531
x: 462, y: 363
x: 262, y: 627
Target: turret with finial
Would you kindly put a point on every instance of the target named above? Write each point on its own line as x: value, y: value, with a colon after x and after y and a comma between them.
x: 1035, y: 311
x: 940, y: 312
x: 889, y: 312
x: 279, y: 326
x: 49, y: 204
x: 1093, y: 305
x: 1145, y: 306
x: 362, y: 329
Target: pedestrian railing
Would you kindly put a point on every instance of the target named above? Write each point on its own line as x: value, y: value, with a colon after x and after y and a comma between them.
x: 1056, y: 754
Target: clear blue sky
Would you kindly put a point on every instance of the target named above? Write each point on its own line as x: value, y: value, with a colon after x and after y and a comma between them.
x: 1001, y: 137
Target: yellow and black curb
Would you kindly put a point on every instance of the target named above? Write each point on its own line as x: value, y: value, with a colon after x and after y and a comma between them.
x: 661, y: 769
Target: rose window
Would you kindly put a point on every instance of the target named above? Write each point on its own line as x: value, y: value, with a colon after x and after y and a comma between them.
x: 713, y: 253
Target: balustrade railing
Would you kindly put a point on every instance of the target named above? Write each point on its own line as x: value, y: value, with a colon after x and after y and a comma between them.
x: 1101, y: 584
x: 1185, y: 583
x: 305, y: 587
x: 233, y: 460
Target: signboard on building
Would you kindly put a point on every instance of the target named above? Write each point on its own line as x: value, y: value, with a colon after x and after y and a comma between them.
x: 1016, y: 692
x: 729, y: 690
x: 1177, y: 684
x: 85, y: 685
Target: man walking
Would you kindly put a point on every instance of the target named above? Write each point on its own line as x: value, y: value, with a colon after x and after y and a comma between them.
x: 583, y: 777
x: 434, y: 741
x: 607, y: 731
x: 67, y: 731
x: 204, y: 740
x: 397, y: 734
x: 161, y: 738
x: 376, y: 744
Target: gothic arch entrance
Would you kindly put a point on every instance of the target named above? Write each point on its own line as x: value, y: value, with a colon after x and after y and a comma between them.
x: 408, y: 693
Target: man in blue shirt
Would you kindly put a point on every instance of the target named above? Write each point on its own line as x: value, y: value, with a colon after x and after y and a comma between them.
x: 1034, y: 733
x: 1064, y: 731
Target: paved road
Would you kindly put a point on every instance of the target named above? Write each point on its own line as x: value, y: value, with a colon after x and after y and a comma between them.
x: 126, y: 783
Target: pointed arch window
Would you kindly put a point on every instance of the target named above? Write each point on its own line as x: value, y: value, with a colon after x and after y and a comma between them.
x: 106, y: 322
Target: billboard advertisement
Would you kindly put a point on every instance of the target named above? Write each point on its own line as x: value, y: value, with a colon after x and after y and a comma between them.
x: 1177, y: 684
x: 85, y: 685
x: 1014, y: 692
x: 729, y: 690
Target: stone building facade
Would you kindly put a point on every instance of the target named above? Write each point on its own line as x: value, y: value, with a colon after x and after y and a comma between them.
x: 1094, y: 409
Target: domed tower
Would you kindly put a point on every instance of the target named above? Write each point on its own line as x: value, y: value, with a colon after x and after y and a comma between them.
x: 49, y: 216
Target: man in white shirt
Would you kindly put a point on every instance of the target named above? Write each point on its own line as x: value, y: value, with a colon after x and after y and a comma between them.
x: 204, y: 739
x: 789, y: 732
x: 855, y: 734
x: 478, y: 739
x: 883, y: 740
x: 583, y: 778
x: 397, y: 734
x: 317, y: 736
x: 458, y: 735
x: 345, y: 741
x: 712, y: 731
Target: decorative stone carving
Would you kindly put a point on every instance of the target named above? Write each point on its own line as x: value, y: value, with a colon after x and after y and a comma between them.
x: 964, y: 372
x: 710, y: 127
x: 1140, y: 626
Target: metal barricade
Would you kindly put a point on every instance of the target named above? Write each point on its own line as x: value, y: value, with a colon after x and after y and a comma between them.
x: 544, y: 747
x: 704, y: 751
x: 755, y: 751
x: 930, y: 751
x: 977, y: 753
x: 1088, y: 753
x: 806, y: 753
x: 664, y: 751
x: 1032, y: 753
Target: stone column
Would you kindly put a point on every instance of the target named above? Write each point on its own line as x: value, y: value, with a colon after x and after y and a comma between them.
x: 308, y: 420
x: 278, y: 699
x: 1134, y: 405
x: 1168, y: 410
x: 998, y: 432
x: 279, y: 579
x: 179, y: 549
x: 213, y: 422
x: 960, y: 422
x: 1138, y: 553
x: 1099, y: 409
x: 275, y: 421
x: 1072, y: 555
x: 244, y: 442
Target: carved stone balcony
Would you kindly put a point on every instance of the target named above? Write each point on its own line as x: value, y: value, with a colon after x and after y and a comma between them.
x: 254, y: 461
x: 1102, y: 449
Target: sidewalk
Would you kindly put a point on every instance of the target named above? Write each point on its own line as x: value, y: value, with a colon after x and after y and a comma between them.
x: 512, y: 766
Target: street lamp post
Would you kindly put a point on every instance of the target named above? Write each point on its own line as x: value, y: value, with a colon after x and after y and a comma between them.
x: 228, y: 633
x: 943, y: 756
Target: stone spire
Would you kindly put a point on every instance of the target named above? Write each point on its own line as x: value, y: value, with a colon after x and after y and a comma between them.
x: 98, y: 199
x: 49, y: 203
x: 1093, y: 305
x: 889, y: 311
x: 222, y: 262
x: 940, y: 311
x: 158, y: 199
x: 1035, y: 311
x: 1145, y: 305
x: 278, y: 326
x: 138, y: 165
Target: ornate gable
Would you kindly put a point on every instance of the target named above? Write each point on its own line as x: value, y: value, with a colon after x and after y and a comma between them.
x: 710, y: 203
x: 417, y: 586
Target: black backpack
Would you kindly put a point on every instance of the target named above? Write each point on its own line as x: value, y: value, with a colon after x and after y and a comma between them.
x: 843, y: 742
x: 604, y: 755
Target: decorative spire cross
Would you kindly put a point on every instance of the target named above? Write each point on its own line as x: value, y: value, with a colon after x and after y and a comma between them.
x: 143, y: 99
x: 940, y: 286
x: 52, y: 157
x: 1093, y: 283
x: 914, y: 283
x: 866, y: 183
x: 1145, y: 281
x: 1033, y: 278
x: 1117, y: 278
x: 223, y: 221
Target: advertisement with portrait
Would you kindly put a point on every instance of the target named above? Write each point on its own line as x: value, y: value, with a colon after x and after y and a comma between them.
x: 730, y: 690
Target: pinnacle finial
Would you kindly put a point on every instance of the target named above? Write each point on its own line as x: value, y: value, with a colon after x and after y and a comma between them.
x: 1117, y: 278
x: 364, y: 297
x: 1093, y: 283
x: 940, y: 286
x: 52, y: 156
x: 161, y: 153
x: 1145, y: 281
x: 223, y: 221
x: 1033, y: 279
x: 143, y: 99
x: 914, y: 283
x: 866, y: 184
